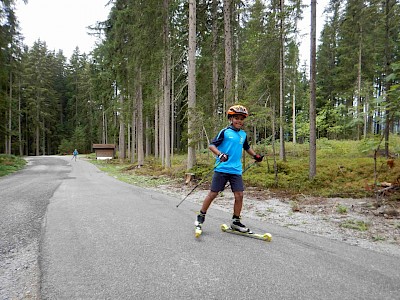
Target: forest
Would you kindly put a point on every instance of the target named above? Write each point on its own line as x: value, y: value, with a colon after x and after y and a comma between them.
x: 161, y: 79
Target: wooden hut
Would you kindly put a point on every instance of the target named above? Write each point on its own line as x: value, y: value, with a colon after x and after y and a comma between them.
x: 104, y: 151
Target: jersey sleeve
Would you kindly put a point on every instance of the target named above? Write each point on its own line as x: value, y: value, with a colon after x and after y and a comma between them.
x: 246, y: 145
x: 218, y: 139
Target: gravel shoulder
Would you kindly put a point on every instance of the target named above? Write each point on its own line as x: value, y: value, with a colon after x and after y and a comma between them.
x: 366, y: 222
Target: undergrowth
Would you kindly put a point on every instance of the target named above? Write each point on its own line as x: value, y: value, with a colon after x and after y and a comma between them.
x: 344, y: 169
x: 10, y: 164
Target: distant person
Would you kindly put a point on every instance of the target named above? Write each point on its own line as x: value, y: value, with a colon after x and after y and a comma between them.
x: 74, y: 154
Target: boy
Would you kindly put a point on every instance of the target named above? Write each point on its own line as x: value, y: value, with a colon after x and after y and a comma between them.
x: 74, y: 154
x: 228, y: 146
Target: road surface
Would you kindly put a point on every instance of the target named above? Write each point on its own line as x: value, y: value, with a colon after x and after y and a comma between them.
x: 99, y: 238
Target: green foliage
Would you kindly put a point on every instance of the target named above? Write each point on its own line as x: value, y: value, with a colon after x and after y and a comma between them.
x: 342, y: 209
x: 356, y: 225
x: 79, y: 139
x: 373, y: 143
x: 66, y: 147
x: 10, y: 164
x: 357, y: 49
x: 369, y: 145
x: 343, y: 170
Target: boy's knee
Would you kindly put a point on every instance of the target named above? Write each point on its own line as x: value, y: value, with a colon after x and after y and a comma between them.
x: 238, y: 195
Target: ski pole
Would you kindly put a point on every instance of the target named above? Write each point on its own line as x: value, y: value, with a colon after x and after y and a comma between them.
x: 248, y: 167
x: 201, y: 181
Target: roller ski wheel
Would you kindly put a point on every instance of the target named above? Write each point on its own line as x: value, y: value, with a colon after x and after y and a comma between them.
x: 265, y: 237
x: 198, y: 223
x: 198, y: 231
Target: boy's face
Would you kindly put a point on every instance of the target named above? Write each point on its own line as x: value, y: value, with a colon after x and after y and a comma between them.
x: 237, y: 121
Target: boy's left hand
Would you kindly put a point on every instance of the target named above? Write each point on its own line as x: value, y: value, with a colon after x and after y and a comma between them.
x: 258, y: 157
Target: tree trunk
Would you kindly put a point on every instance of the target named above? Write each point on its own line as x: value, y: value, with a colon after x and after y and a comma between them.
x: 133, y: 131
x: 172, y: 146
x: 365, y: 110
x: 9, y: 126
x: 294, y: 113
x: 273, y: 145
x: 104, y: 139
x: 167, y: 88
x: 128, y: 142
x: 161, y: 118
x: 359, y: 104
x: 148, y: 144
x: 228, y: 101
x: 121, y: 141
x: 237, y: 59
x: 140, y: 151
x: 156, y: 131
x: 215, y: 61
x: 282, y: 152
x: 21, y: 150
x: 388, y: 61
x: 191, y: 84
x: 37, y: 126
x: 37, y: 140
x: 313, y: 138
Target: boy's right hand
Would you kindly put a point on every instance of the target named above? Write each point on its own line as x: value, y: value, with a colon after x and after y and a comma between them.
x: 223, y: 157
x: 258, y: 157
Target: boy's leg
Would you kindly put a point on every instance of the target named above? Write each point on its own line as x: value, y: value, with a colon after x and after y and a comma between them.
x: 218, y: 183
x: 237, y: 207
x: 237, y: 189
x: 208, y: 200
x: 206, y: 204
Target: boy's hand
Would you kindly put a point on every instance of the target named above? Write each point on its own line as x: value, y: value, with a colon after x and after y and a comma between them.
x: 223, y: 157
x: 258, y: 157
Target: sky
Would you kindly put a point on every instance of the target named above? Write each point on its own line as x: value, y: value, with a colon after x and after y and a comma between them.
x: 305, y: 26
x: 62, y: 24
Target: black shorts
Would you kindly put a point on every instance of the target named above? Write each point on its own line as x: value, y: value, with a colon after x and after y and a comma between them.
x: 219, y: 181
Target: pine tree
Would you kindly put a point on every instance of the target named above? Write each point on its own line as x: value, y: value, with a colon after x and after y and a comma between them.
x: 191, y: 84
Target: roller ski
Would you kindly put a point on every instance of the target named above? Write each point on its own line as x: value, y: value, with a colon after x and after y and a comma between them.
x: 238, y: 228
x: 198, y: 223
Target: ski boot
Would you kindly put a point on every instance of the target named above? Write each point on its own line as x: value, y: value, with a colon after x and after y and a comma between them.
x: 238, y: 226
x: 198, y: 223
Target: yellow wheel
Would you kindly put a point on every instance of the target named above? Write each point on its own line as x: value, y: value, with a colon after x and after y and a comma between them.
x: 267, y: 237
x: 224, y: 227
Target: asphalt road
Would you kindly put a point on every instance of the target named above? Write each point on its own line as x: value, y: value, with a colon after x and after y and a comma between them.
x: 104, y: 239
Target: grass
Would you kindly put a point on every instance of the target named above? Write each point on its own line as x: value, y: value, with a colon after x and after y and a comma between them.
x: 356, y: 225
x: 341, y: 209
x: 344, y: 169
x: 378, y: 238
x: 138, y: 176
x: 10, y: 164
